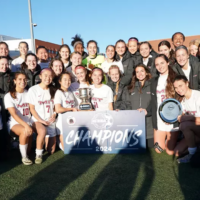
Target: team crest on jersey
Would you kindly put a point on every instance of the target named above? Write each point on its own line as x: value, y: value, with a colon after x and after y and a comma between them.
x: 71, y: 120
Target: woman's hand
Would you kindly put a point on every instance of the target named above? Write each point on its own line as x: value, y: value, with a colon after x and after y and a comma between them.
x: 142, y: 109
x: 179, y: 118
x: 74, y: 109
x: 52, y: 119
x: 28, y: 130
x: 46, y: 123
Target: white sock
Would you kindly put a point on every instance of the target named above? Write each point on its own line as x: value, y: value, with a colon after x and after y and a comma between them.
x: 60, y: 145
x: 192, y: 150
x: 39, y: 152
x: 23, y: 149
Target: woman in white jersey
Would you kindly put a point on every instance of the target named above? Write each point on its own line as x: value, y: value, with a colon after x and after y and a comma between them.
x: 81, y: 74
x: 102, y: 95
x: 165, y: 136
x: 41, y: 101
x: 16, y: 102
x: 189, y: 120
x: 64, y: 102
x: 16, y: 63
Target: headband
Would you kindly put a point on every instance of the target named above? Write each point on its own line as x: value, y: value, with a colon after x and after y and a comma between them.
x: 78, y: 42
x: 79, y: 67
x: 132, y: 40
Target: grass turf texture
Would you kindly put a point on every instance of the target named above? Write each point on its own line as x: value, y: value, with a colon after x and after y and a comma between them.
x: 102, y: 177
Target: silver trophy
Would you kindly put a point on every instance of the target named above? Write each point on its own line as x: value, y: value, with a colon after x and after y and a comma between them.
x: 85, y: 95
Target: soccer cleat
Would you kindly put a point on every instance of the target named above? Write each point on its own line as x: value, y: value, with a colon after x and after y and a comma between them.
x: 27, y: 161
x: 185, y: 159
x: 38, y: 159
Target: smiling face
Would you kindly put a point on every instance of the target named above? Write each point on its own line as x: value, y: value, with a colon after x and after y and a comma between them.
x: 92, y: 49
x: 164, y: 50
x: 65, y: 81
x: 181, y: 87
x: 132, y: 46
x: 114, y: 75
x: 42, y: 54
x: 145, y: 50
x: 3, y: 65
x: 64, y: 53
x: 97, y: 77
x: 110, y: 52
x: 120, y: 48
x: 161, y: 65
x: 80, y: 74
x: 182, y: 57
x: 46, y: 77
x: 57, y: 67
x: 3, y: 50
x: 178, y: 40
x: 31, y: 62
x: 79, y: 48
x: 193, y: 49
x: 76, y: 59
x: 140, y: 73
x: 20, y: 81
x: 23, y: 49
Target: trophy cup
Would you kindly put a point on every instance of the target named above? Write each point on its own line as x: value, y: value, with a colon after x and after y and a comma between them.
x: 84, y: 95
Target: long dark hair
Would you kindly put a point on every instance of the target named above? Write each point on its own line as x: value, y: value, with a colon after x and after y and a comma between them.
x: 60, y: 78
x: 169, y: 90
x: 12, y: 86
x: 135, y: 79
x: 52, y: 88
x: 63, y: 46
x: 56, y: 59
x: 24, y: 65
x: 172, y: 52
x: 114, y: 57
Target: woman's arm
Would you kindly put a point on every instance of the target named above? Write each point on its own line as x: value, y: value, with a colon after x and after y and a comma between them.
x: 110, y: 106
x: 60, y: 109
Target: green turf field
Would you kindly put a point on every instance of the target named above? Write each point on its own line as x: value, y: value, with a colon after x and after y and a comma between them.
x: 102, y: 177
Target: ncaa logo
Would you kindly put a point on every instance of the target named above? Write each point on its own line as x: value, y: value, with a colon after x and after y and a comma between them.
x: 102, y: 120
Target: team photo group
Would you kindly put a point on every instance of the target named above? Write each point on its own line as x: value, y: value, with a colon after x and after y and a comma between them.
x: 35, y: 91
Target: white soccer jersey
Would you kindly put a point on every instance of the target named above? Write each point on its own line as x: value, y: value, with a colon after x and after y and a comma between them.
x: 66, y: 99
x: 191, y: 106
x: 21, y: 105
x: 161, y: 96
x: 101, y: 97
x: 74, y: 87
x: 41, y: 99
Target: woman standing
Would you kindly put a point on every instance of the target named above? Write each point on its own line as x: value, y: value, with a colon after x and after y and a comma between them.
x: 41, y: 102
x: 64, y: 54
x: 140, y: 96
x: 133, y: 46
x: 102, y: 95
x: 127, y: 61
x: 165, y: 135
x: 16, y: 102
x: 4, y: 51
x: 110, y: 54
x: 64, y: 102
x: 187, y: 66
x: 120, y: 92
x: 42, y: 55
x: 16, y: 63
x: 31, y: 69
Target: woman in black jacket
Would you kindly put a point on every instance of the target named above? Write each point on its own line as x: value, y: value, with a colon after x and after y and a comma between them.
x: 148, y: 59
x: 188, y: 66
x: 140, y: 96
x: 133, y: 46
x: 31, y: 69
x: 165, y: 135
x: 127, y: 61
x: 120, y: 92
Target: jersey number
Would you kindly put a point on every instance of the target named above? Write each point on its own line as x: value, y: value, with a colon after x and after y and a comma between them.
x: 26, y: 111
x: 48, y: 108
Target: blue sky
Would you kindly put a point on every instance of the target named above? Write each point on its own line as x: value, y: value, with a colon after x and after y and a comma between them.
x: 105, y: 21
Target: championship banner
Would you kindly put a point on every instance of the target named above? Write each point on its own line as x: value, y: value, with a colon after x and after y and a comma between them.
x: 107, y: 132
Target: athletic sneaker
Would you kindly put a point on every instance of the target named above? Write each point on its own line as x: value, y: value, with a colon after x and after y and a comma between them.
x: 185, y: 159
x: 27, y: 161
x: 38, y: 159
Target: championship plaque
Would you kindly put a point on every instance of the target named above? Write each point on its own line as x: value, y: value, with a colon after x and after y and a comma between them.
x: 169, y: 110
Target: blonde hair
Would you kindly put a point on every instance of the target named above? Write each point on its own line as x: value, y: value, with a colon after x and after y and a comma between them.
x: 117, y: 84
x: 195, y: 42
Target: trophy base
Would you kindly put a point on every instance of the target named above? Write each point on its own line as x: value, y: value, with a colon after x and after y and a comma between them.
x: 85, y: 107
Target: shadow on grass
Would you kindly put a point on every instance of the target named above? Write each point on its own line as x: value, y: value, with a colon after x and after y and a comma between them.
x: 49, y: 182
x: 118, y: 179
